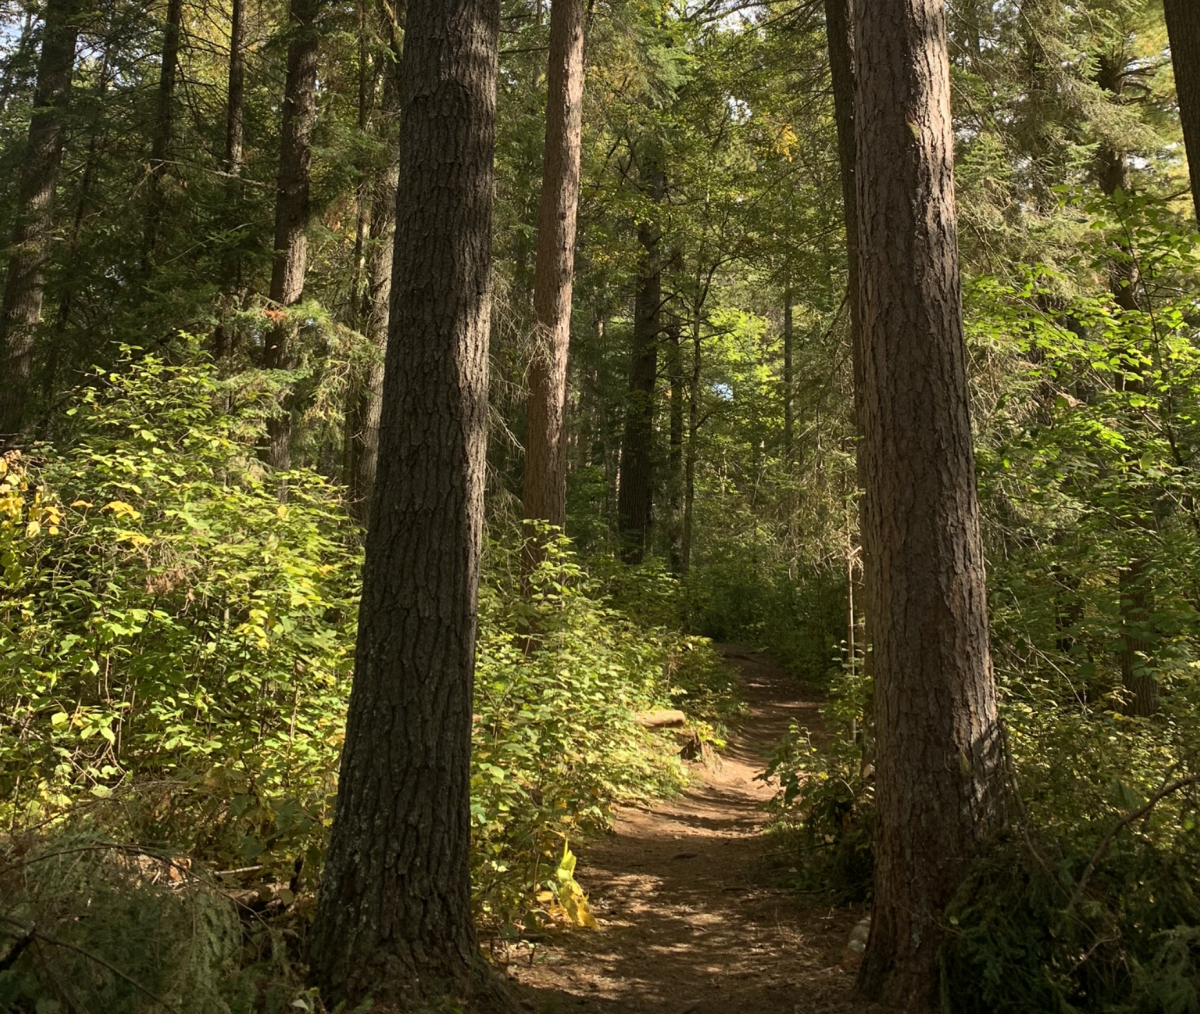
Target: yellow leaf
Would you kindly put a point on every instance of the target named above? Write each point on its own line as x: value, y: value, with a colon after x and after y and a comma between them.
x: 122, y: 508
x: 82, y: 503
x: 32, y: 529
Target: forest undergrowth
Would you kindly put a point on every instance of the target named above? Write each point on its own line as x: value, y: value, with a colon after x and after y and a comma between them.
x: 177, y: 649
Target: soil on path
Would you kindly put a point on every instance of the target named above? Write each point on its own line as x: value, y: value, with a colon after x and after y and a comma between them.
x: 689, y: 924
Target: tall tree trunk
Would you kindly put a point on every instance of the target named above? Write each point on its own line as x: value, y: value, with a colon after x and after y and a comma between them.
x: 1183, y: 29
x: 394, y: 916
x: 160, y: 140
x: 1139, y: 640
x: 545, y: 481
x: 634, y: 496
x: 938, y: 771
x: 789, y: 381
x: 839, y: 32
x: 692, y: 449
x: 363, y: 416
x: 235, y: 154
x: 292, y: 210
x: 22, y: 307
x: 675, y: 475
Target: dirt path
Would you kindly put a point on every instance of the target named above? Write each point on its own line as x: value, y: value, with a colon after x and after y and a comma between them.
x: 688, y: 925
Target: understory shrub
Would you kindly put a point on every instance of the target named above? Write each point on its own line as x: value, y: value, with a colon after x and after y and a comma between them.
x: 176, y: 648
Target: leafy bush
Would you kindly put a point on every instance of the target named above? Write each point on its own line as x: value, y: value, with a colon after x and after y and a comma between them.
x: 177, y: 649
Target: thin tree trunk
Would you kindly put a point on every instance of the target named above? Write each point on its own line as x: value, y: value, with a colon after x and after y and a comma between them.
x: 23, y: 289
x: 692, y: 452
x: 635, y: 494
x: 675, y: 468
x: 1183, y: 29
x: 235, y: 155
x: 1139, y: 640
x: 160, y: 142
x: 939, y: 772
x: 292, y: 211
x: 840, y: 38
x: 789, y: 383
x: 363, y: 417
x: 394, y: 915
x: 545, y: 480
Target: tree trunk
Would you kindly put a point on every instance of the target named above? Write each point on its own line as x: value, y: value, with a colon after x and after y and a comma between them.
x: 789, y: 382
x: 363, y: 417
x: 692, y: 451
x: 1183, y: 29
x: 22, y: 307
x: 840, y: 38
x: 394, y: 916
x: 675, y: 452
x: 545, y: 481
x: 235, y: 154
x: 160, y: 142
x: 291, y: 211
x: 634, y: 496
x: 939, y: 772
x: 1139, y: 640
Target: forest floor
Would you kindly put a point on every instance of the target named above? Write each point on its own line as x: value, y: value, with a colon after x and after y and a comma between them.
x: 689, y: 920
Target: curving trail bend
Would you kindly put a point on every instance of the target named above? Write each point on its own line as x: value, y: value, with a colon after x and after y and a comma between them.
x: 688, y: 925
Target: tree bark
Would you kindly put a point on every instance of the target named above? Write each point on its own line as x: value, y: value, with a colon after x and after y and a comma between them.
x: 160, y: 142
x: 840, y: 38
x: 545, y: 480
x: 363, y: 417
x: 292, y: 210
x: 235, y: 154
x: 789, y: 382
x: 24, y: 285
x: 938, y: 772
x: 1183, y: 29
x: 394, y: 915
x: 675, y: 477
x: 635, y: 493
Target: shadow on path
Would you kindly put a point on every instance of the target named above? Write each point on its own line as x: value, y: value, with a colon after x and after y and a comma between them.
x: 687, y: 927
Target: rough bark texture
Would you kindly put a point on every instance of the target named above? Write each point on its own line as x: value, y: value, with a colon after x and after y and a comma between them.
x: 1183, y: 29
x: 292, y: 208
x: 363, y: 417
x: 394, y: 916
x: 22, y: 307
x: 938, y: 770
x: 160, y: 141
x: 634, y: 497
x: 545, y: 482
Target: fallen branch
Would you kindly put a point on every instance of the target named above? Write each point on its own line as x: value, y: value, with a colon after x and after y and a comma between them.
x: 662, y: 719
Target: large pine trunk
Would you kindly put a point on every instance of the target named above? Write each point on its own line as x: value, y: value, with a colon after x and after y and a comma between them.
x: 394, y: 917
x: 292, y: 210
x: 636, y: 481
x: 939, y: 771
x: 23, y: 289
x: 545, y: 481
x: 1183, y: 29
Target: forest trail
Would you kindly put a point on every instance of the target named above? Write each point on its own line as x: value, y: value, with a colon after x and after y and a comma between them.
x: 688, y: 924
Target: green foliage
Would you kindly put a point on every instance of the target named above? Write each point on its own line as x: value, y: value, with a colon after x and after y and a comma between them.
x: 823, y: 811
x: 177, y: 647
